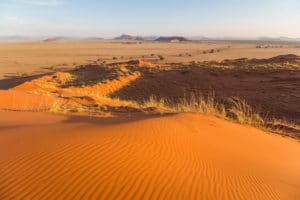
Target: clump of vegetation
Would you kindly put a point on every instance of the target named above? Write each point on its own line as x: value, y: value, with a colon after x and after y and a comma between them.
x: 211, y: 51
x: 191, y: 104
x: 201, y: 105
x: 161, y: 57
x: 188, y: 54
x: 238, y: 110
x: 155, y: 102
x: 115, y: 58
x: 51, y: 68
x: 268, y: 46
x: 243, y: 113
x: 65, y: 108
x: 22, y: 75
x: 186, y: 71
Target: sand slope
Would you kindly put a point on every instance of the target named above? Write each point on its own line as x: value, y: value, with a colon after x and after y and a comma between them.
x: 22, y: 100
x: 183, y: 156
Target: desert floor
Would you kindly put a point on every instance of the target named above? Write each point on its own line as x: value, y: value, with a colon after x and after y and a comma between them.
x: 127, y: 120
x: 19, y: 58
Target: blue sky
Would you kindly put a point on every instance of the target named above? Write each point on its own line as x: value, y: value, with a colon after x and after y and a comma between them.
x: 107, y: 18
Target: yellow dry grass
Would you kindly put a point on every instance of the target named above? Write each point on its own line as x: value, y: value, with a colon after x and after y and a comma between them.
x: 238, y: 111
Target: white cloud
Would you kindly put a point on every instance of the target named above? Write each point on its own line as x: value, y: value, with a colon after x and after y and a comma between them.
x: 18, y: 21
x: 14, y: 20
x: 42, y: 2
x: 28, y: 26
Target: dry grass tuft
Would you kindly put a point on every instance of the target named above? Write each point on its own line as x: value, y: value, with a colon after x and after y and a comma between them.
x: 192, y: 104
x: 63, y: 108
x: 237, y: 110
x: 243, y: 113
x: 155, y: 102
x: 201, y: 105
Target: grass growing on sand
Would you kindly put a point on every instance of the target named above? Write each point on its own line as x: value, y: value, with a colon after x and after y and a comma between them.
x: 62, y: 108
x: 236, y: 110
x: 243, y: 113
x: 192, y: 104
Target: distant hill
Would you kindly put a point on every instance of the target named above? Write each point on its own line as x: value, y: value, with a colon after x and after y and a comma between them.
x: 172, y: 39
x: 19, y: 38
x: 53, y: 39
x: 128, y: 37
x: 150, y: 38
x: 62, y: 38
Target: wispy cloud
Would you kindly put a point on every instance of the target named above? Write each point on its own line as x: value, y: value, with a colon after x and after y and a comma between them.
x: 31, y: 26
x: 15, y: 21
x: 42, y: 2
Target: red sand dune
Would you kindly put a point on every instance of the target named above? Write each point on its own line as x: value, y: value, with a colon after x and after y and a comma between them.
x: 184, y: 156
x: 50, y: 83
x: 22, y: 100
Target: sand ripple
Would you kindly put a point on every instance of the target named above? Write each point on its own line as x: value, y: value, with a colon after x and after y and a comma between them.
x: 178, y: 157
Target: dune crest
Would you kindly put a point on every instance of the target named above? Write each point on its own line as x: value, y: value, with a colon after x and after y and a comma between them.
x: 58, y: 83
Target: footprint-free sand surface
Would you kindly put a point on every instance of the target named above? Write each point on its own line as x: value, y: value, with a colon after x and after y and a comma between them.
x: 186, y: 156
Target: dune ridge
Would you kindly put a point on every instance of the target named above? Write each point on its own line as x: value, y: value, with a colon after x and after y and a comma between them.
x: 184, y: 156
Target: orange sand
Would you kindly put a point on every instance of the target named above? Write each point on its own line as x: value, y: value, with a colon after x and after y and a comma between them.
x: 184, y: 156
x: 48, y: 84
x: 22, y: 100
